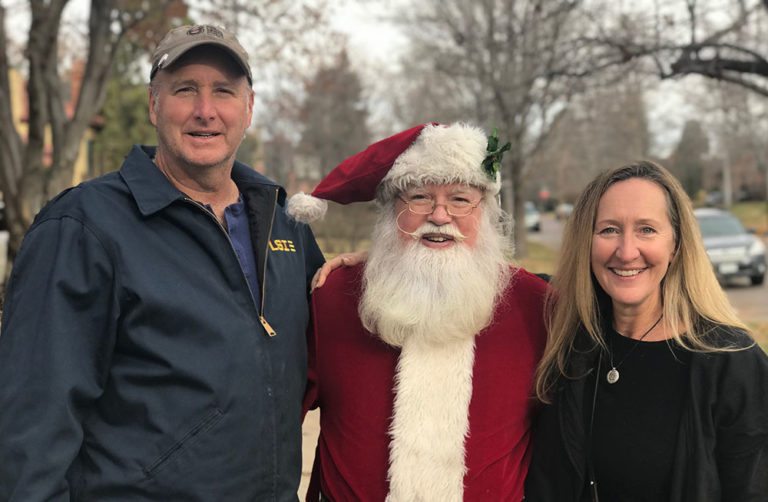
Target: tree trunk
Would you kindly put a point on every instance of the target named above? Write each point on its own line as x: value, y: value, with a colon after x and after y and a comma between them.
x: 512, y: 199
x: 520, y: 233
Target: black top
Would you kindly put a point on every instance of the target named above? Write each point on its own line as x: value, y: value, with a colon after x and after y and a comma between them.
x: 721, y: 449
x: 637, y: 418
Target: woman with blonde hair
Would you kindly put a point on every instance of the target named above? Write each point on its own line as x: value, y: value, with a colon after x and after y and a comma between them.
x: 653, y: 389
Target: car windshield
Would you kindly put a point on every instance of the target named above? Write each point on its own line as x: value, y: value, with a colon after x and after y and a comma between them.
x: 720, y: 226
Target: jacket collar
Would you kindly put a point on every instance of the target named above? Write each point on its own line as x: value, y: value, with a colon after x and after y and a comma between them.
x: 245, y: 177
x: 152, y: 190
x: 571, y: 401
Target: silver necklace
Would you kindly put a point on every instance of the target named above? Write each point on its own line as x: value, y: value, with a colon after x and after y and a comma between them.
x: 613, y: 374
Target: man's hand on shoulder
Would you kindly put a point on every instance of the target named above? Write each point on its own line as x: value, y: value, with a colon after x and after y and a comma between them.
x: 342, y: 260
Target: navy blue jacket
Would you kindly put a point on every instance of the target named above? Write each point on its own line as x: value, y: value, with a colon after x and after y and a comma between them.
x: 134, y: 362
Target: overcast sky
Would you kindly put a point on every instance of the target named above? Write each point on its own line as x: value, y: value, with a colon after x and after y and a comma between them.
x: 375, y: 45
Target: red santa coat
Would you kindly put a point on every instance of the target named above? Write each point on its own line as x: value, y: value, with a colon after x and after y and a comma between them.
x: 351, y: 376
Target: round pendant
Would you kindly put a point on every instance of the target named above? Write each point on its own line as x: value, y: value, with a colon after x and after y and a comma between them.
x: 612, y: 376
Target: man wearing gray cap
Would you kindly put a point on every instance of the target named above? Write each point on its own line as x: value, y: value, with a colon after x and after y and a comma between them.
x: 152, y: 343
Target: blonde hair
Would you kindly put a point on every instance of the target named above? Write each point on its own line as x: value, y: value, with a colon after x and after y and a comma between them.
x: 694, y: 304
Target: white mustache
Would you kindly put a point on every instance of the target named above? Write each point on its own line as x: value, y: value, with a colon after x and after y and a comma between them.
x: 430, y: 228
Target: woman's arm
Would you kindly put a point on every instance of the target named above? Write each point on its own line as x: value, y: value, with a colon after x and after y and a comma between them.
x: 742, y: 435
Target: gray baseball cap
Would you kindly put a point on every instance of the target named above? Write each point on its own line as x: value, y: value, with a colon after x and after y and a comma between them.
x: 180, y: 40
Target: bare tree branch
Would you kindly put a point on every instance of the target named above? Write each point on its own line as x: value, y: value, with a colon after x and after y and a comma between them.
x: 734, y: 52
x: 506, y: 55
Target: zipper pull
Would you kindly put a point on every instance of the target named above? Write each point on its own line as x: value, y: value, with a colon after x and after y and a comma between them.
x: 271, y: 332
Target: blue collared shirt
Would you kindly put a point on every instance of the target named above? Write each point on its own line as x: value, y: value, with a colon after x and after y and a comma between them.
x: 237, y: 227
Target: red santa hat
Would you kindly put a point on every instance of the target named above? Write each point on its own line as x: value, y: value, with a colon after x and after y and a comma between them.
x: 427, y: 153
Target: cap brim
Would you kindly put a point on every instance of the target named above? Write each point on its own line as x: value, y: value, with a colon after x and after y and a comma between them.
x: 182, y: 49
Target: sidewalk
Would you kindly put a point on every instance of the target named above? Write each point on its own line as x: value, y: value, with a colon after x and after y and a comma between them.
x: 309, y: 435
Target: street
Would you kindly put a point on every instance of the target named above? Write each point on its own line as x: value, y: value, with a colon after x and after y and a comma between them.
x: 309, y: 433
x: 751, y: 302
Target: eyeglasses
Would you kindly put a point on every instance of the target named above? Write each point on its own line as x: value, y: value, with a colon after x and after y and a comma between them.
x: 422, y: 204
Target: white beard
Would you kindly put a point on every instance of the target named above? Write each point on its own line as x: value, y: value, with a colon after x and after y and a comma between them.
x: 437, y: 295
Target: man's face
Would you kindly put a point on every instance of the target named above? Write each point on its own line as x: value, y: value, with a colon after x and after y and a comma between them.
x: 201, y: 108
x: 456, y: 208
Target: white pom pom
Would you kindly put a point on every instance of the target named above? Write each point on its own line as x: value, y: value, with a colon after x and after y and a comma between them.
x: 305, y: 208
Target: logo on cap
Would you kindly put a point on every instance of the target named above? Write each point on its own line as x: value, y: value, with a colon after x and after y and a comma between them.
x: 207, y: 29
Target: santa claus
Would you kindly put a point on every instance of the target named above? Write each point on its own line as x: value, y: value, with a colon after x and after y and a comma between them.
x: 421, y: 360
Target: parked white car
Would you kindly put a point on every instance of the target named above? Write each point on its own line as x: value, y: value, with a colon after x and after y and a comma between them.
x: 733, y: 251
x: 563, y: 210
x: 532, y: 217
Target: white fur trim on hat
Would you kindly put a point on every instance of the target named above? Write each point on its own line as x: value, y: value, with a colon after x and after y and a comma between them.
x: 306, y: 208
x: 442, y: 154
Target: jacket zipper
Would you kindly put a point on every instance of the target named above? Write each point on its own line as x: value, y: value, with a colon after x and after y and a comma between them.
x: 270, y: 331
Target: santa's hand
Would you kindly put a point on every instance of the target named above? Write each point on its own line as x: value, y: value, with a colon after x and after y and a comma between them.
x: 342, y: 260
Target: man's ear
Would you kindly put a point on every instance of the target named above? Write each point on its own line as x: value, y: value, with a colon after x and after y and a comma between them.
x: 151, y: 101
x: 251, y: 96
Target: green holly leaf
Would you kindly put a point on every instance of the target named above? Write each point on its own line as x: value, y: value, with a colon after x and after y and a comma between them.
x: 492, y: 162
x: 493, y: 141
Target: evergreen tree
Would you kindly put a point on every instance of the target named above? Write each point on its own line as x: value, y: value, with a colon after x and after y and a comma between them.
x: 126, y: 123
x: 334, y: 127
x: 689, y: 158
x: 334, y: 115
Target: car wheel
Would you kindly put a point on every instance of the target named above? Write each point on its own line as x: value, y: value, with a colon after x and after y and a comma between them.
x: 757, y: 280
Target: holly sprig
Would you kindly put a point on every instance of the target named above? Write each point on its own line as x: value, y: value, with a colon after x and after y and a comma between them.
x: 492, y: 162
